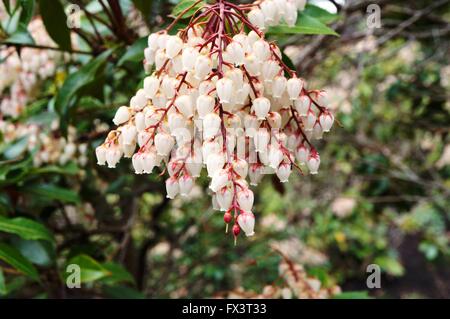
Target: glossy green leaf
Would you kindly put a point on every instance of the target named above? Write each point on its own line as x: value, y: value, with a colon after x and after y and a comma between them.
x: 183, y: 5
x: 117, y: 274
x: 391, y: 265
x: 91, y: 270
x: 38, y: 252
x: 25, y: 228
x: 305, y: 25
x: 20, y: 36
x: 77, y: 81
x: 53, y: 192
x: 12, y: 257
x: 27, y: 11
x: 320, y: 14
x: 7, y: 5
x: 55, y: 21
x: 135, y: 53
x: 16, y: 148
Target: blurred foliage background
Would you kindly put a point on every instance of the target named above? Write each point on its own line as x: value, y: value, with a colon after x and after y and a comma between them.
x: 382, y: 195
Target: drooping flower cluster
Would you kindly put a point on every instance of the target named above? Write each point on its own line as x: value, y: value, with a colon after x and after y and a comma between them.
x: 21, y: 75
x: 221, y: 98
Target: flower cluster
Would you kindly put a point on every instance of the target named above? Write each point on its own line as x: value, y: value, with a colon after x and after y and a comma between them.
x: 22, y: 74
x: 220, y: 97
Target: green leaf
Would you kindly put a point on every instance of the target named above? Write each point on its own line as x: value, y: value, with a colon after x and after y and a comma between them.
x: 7, y: 6
x: 27, y: 11
x: 353, y: 295
x: 117, y: 274
x: 91, y: 270
x: 55, y: 21
x: 25, y: 228
x: 12, y: 257
x: 135, y: 53
x: 183, y: 5
x: 38, y: 252
x: 390, y: 265
x: 122, y: 292
x: 16, y: 148
x: 305, y: 25
x: 69, y: 169
x: 320, y: 14
x: 77, y: 81
x: 3, y: 290
x: 52, y: 192
x: 20, y: 36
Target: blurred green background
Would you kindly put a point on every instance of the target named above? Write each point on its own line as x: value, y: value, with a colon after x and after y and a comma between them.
x: 382, y: 195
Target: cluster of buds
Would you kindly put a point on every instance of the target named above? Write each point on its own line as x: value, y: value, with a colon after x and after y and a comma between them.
x: 48, y: 146
x: 21, y: 75
x: 220, y: 97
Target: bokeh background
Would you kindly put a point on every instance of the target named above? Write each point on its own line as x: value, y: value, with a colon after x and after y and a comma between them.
x: 382, y: 195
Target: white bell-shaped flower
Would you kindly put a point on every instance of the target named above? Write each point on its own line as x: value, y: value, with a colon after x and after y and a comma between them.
x: 310, y: 121
x: 149, y: 161
x: 278, y: 86
x: 224, y: 88
x: 173, y: 46
x: 294, y: 87
x: 261, y: 49
x: 122, y: 115
x: 189, y: 56
x: 302, y: 154
x: 172, y: 187
x: 211, y: 125
x: 302, y: 105
x: 219, y: 180
x: 164, y: 143
x: 139, y: 101
x: 261, y: 106
x: 262, y: 139
x: 203, y: 66
x: 275, y: 156
x: 151, y: 86
x: 205, y: 105
x: 224, y: 198
x: 245, y: 199
x: 214, y: 163
x: 246, y: 221
x: 186, y: 183
x: 184, y: 105
x: 128, y: 134
x: 256, y: 17
x: 290, y: 15
x: 100, y: 153
x: 283, y: 172
x: 313, y: 162
x: 326, y: 121
x: 113, y: 155
x: 236, y: 53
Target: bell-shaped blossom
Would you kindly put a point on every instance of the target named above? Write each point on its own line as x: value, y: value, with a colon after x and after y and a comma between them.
x: 246, y: 221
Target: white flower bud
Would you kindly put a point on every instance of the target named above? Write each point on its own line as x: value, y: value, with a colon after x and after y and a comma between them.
x: 173, y: 46
x: 302, y: 154
x: 245, y: 199
x: 184, y: 105
x: 164, y: 143
x: 255, y: 174
x: 100, y: 152
x: 310, y: 121
x: 317, y: 131
x: 151, y: 86
x: 168, y: 86
x: 122, y: 115
x: 283, y: 172
x: 236, y: 53
x: 294, y: 87
x: 246, y: 221
x: 175, y: 121
x: 194, y: 163
x: 136, y: 160
x: 326, y: 121
x: 149, y: 161
x: 313, y: 162
x: 261, y: 106
x: 256, y: 17
x: 172, y: 187
x: 224, y: 88
x: 153, y: 41
x: 113, y: 155
x: 278, y: 86
x: 205, y: 105
x: 275, y: 156
x: 139, y: 121
x: 214, y: 162
x: 129, y: 134
x: 186, y: 183
x: 219, y: 180
x: 240, y: 166
x: 224, y: 197
x: 203, y: 66
x: 139, y: 101
x: 189, y: 56
x: 274, y: 119
x: 261, y: 49
x: 290, y: 15
x: 269, y: 70
x: 262, y: 138
x: 251, y: 125
x: 302, y: 105
x: 211, y: 125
